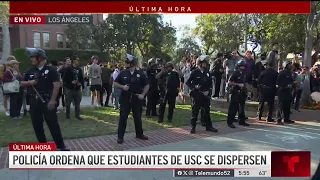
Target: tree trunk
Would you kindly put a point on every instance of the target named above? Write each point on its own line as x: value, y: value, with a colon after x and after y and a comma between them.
x: 305, y: 98
x: 6, y: 43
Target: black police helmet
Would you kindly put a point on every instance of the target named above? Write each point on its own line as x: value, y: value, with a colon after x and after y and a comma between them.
x: 159, y: 61
x: 202, y: 58
x: 151, y: 61
x: 286, y: 64
x: 36, y: 52
x: 241, y: 63
x: 131, y: 60
x: 169, y: 64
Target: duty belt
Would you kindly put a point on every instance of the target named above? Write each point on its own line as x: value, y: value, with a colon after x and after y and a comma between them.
x: 44, y: 96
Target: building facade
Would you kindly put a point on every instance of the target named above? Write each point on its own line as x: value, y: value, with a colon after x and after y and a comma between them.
x: 41, y: 36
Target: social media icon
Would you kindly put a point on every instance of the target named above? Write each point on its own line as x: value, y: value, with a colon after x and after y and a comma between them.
x: 291, y: 161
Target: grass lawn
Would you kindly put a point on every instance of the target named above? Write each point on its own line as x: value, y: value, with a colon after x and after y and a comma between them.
x: 97, y: 122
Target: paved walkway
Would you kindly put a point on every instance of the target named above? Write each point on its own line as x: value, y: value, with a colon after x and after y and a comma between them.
x: 259, y: 136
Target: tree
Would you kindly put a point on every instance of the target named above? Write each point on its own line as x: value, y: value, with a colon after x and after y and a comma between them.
x: 4, y: 21
x: 220, y: 32
x: 141, y: 35
x: 312, y: 22
x: 186, y: 47
x: 79, y: 36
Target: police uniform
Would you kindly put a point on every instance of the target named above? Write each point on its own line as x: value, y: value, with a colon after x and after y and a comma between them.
x: 161, y: 81
x: 238, y: 96
x: 45, y: 78
x: 153, y: 93
x: 267, y: 87
x: 285, y: 84
x: 129, y: 100
x: 200, y: 81
x: 172, y: 84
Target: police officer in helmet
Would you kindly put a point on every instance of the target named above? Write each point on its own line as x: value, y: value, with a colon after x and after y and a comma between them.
x: 161, y: 66
x: 134, y: 85
x: 172, y: 84
x: 153, y: 93
x: 238, y: 95
x: 45, y: 84
x: 285, y: 83
x: 200, y: 83
x: 267, y: 87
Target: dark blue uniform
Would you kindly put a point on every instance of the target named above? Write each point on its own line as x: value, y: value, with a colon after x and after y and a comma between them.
x: 129, y: 100
x: 284, y: 82
x: 153, y: 93
x: 267, y: 82
x: 238, y: 98
x: 172, y: 83
x: 199, y: 100
x: 38, y: 109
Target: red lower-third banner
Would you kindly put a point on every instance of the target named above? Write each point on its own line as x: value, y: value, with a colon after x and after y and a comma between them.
x: 149, y: 7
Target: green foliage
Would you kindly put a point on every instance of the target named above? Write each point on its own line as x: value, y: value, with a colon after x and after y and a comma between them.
x: 141, y: 35
x: 287, y: 29
x: 220, y: 32
x: 57, y: 55
x: 4, y: 12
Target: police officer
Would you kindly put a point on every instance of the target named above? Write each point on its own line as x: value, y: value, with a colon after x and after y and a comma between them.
x: 285, y: 84
x: 134, y: 85
x: 153, y: 93
x: 267, y: 82
x: 172, y: 84
x: 238, y: 95
x: 162, y: 92
x: 200, y: 83
x: 45, y: 84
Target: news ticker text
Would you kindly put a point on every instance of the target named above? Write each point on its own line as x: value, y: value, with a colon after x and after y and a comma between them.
x: 221, y: 173
x: 51, y: 19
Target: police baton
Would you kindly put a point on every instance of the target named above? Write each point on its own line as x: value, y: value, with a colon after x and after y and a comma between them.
x: 38, y: 94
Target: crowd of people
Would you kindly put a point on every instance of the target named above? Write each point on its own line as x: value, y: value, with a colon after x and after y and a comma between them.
x: 130, y: 87
x: 229, y: 76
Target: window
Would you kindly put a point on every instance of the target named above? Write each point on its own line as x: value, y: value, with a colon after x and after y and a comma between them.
x: 46, y: 39
x: 36, y: 40
x: 68, y: 44
x: 59, y: 40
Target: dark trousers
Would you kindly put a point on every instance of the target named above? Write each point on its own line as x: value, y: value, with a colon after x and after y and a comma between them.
x: 296, y: 97
x: 152, y: 101
x: 40, y: 113
x: 73, y: 96
x: 202, y: 117
x: 60, y: 96
x: 284, y: 104
x: 199, y: 101
x: 171, y: 99
x: 266, y: 95
x: 16, y: 100
x: 128, y: 103
x: 106, y: 87
x: 217, y: 86
x: 237, y: 105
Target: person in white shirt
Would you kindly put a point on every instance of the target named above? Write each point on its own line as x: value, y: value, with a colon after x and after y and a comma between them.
x: 186, y: 71
x: 116, y: 91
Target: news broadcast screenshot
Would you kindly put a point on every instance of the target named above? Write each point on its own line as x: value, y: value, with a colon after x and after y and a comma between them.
x: 159, y: 90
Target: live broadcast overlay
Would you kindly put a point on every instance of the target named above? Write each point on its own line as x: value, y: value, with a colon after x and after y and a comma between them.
x: 43, y: 156
x: 52, y: 19
x: 155, y: 7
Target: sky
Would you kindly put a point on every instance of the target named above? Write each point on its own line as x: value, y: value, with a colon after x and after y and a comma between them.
x: 179, y: 20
